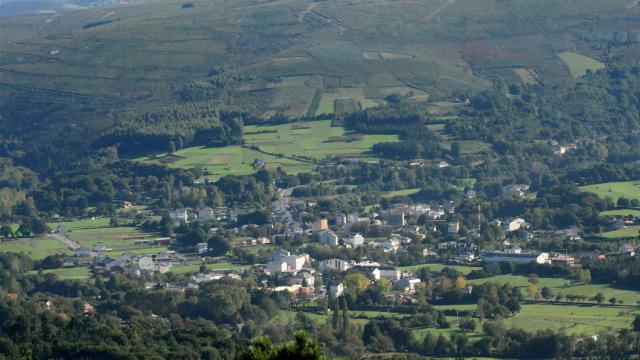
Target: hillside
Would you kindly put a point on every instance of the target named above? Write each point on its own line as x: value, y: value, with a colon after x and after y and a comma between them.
x: 78, y: 75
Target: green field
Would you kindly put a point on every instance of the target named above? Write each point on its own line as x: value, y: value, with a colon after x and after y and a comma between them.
x: 579, y: 64
x: 621, y: 212
x: 36, y: 248
x: 628, y: 232
x: 82, y: 224
x: 77, y: 273
x: 194, y: 268
x: 564, y: 286
x: 572, y: 319
x: 404, y: 192
x: 330, y: 100
x: 523, y: 281
x: 615, y: 190
x: 438, y: 267
x: 295, y: 147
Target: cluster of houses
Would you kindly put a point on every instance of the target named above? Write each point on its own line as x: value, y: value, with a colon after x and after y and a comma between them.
x: 137, y: 265
x: 299, y: 272
x: 205, y: 214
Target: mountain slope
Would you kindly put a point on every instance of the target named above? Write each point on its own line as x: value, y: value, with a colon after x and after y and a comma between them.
x: 290, y: 57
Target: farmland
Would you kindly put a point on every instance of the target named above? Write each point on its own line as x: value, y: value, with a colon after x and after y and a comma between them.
x: 404, y: 192
x: 621, y: 212
x: 36, y: 248
x: 438, y: 267
x: 194, y: 268
x: 615, y: 190
x: 564, y: 286
x: 579, y: 64
x: 75, y: 273
x: 572, y: 319
x: 142, y: 55
x: 627, y: 232
x: 119, y: 239
x: 294, y: 147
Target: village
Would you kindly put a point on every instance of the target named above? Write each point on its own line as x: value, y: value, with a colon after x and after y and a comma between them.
x: 422, y: 231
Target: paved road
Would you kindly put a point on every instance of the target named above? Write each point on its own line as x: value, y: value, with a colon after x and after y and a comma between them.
x: 70, y: 243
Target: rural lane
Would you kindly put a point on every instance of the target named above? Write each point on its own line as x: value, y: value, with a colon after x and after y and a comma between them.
x: 70, y: 243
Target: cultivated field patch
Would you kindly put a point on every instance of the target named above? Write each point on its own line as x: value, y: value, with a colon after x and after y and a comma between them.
x: 579, y: 64
x: 615, y: 190
x: 36, y: 248
x: 328, y: 100
x: 296, y: 147
x: 528, y: 76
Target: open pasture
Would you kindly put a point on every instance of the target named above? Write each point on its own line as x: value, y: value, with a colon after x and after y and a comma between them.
x: 116, y: 238
x: 522, y: 281
x: 615, y: 190
x: 565, y: 287
x: 295, y: 147
x: 579, y: 64
x: 621, y: 212
x: 74, y: 273
x: 330, y: 99
x: 404, y: 192
x: 36, y: 248
x: 194, y: 268
x: 572, y: 319
x: 627, y: 232
x: 438, y: 267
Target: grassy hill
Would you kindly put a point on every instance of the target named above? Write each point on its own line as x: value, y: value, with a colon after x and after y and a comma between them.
x: 70, y: 75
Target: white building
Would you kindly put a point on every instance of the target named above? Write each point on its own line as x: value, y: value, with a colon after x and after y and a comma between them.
x: 515, y: 224
x: 179, y: 214
x: 336, y: 290
x: 407, y: 284
x: 202, y: 248
x: 389, y: 273
x: 355, y: 240
x: 206, y: 214
x: 390, y: 245
x: 334, y: 264
x: 627, y: 250
x: 453, y: 227
x: 283, y: 261
x: 329, y: 238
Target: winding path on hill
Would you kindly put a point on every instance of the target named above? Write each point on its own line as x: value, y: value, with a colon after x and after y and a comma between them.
x: 437, y: 11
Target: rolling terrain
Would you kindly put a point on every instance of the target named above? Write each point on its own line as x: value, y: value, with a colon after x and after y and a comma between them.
x: 68, y: 78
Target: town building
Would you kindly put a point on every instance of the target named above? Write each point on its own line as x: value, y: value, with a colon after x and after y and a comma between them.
x: 453, y: 227
x: 354, y: 240
x: 320, y: 225
x: 334, y: 264
x: 329, y: 238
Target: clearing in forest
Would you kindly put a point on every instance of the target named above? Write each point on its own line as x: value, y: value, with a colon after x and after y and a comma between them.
x: 579, y: 64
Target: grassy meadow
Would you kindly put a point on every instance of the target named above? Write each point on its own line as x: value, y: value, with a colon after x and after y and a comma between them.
x: 627, y: 232
x: 194, y: 268
x: 36, y: 248
x: 87, y: 233
x: 74, y: 273
x: 615, y: 190
x: 295, y: 147
x: 621, y: 212
x: 404, y: 192
x: 572, y: 319
x: 579, y: 64
x: 438, y: 267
